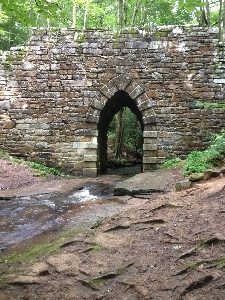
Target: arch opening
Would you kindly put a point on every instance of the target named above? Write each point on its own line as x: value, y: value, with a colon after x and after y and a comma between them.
x: 118, y: 101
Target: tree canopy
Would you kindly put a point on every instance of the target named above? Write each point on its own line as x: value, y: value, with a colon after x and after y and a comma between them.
x: 17, y: 17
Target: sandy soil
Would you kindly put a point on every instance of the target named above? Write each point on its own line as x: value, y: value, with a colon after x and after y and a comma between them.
x: 164, y: 246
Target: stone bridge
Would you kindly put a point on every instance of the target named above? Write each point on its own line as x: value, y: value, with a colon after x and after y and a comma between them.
x: 59, y: 93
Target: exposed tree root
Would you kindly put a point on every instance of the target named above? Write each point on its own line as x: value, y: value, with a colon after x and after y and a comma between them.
x: 199, y: 283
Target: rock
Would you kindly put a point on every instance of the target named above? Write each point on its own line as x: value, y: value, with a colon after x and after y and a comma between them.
x: 184, y: 184
x: 149, y: 182
x: 196, y: 176
x: 215, y: 173
x: 9, y: 124
x: 223, y: 169
x: 24, y: 279
x: 207, y: 174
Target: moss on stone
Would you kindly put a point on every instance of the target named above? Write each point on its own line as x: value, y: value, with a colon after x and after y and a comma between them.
x: 132, y: 31
x: 80, y: 38
x: 20, y: 55
x: 8, y: 61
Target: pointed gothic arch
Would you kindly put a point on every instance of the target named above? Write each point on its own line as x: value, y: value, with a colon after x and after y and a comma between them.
x: 120, y: 92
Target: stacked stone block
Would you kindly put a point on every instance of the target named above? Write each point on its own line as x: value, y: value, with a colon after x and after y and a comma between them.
x: 53, y: 91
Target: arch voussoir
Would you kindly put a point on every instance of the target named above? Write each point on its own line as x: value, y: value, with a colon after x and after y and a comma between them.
x: 106, y: 92
x: 93, y: 115
x: 136, y: 92
x: 122, y: 82
x: 147, y: 104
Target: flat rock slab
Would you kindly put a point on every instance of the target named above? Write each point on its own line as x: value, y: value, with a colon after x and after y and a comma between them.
x: 48, y: 187
x: 149, y: 182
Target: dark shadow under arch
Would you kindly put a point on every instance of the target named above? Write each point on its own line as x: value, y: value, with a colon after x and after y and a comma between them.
x: 113, y: 105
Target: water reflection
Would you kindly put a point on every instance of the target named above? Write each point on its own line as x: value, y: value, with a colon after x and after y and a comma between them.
x: 27, y: 217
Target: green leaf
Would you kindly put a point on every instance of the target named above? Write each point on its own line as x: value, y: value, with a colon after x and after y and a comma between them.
x: 180, y: 4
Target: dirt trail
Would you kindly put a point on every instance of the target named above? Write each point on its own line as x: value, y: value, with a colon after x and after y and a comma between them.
x: 165, y: 246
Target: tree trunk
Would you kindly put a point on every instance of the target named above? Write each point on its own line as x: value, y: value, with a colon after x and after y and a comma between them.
x: 136, y: 7
x: 119, y: 133
x: 223, y: 10
x: 208, y: 13
x: 74, y: 14
x: 125, y: 13
x: 85, y: 14
x: 120, y: 13
x: 220, y: 21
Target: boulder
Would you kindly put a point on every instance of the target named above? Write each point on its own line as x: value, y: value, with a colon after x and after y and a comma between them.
x: 182, y: 185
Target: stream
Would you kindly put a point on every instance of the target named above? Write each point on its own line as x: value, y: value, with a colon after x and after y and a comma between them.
x: 34, y: 219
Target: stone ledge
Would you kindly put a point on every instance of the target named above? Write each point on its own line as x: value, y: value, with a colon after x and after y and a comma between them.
x: 150, y: 147
x: 91, y: 158
x: 89, y: 172
x: 150, y: 134
x: 150, y: 160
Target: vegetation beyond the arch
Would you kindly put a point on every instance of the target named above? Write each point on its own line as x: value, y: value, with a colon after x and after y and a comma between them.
x: 125, y: 135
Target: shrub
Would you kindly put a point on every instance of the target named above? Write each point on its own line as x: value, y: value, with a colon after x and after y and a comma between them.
x: 171, y: 163
x: 199, y: 161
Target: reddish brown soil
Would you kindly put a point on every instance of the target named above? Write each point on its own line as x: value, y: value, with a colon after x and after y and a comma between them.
x: 168, y: 246
x: 13, y: 175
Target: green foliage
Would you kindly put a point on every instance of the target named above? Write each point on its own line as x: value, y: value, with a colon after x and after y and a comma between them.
x: 96, y: 224
x: 218, y: 142
x: 132, y: 133
x: 34, y: 253
x: 210, y: 105
x: 42, y: 169
x: 171, y: 163
x: 18, y: 17
x: 190, y: 5
x: 199, y: 161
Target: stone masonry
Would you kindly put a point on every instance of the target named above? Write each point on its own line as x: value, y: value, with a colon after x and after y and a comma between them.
x: 59, y: 93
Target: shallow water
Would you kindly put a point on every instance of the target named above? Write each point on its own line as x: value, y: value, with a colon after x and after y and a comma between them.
x: 29, y: 220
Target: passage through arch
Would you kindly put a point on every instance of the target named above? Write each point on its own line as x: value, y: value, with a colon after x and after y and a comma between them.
x: 119, y: 100
x: 118, y: 93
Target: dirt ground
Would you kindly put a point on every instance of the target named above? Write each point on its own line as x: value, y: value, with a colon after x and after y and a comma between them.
x: 164, y: 246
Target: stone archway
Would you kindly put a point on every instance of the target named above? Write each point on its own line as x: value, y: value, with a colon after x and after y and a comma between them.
x: 119, y: 100
x: 120, y: 92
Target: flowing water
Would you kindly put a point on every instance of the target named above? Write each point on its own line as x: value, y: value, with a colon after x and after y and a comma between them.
x: 29, y: 220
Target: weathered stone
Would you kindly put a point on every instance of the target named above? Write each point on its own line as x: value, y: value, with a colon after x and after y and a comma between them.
x: 150, y: 147
x: 215, y: 173
x: 196, y: 176
x: 97, y: 104
x: 136, y: 92
x: 142, y: 183
x: 47, y: 106
x: 207, y: 174
x: 150, y: 160
x: 183, y: 184
x: 90, y: 172
x: 122, y: 82
x: 90, y: 158
x: 8, y: 124
x: 150, y: 134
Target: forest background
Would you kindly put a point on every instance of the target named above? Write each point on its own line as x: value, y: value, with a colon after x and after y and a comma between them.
x: 17, y: 17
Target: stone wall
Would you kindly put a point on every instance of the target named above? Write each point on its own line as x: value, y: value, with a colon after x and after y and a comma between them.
x: 59, y: 93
